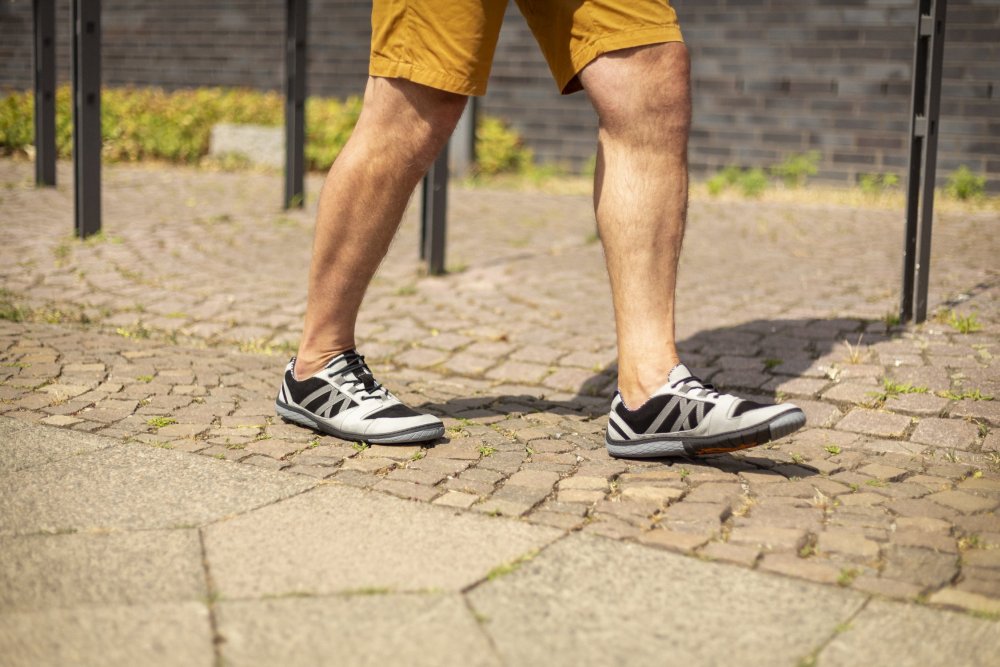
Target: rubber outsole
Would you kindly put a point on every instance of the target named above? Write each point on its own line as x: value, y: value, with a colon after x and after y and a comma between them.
x: 658, y: 447
x: 296, y: 415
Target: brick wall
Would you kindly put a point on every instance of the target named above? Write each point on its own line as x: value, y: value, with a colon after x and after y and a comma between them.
x: 771, y: 77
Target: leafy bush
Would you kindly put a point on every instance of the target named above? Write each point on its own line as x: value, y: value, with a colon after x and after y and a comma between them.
x: 724, y: 179
x: 875, y: 185
x: 500, y: 149
x: 753, y: 183
x: 329, y: 124
x: 149, y: 123
x: 797, y: 168
x: 965, y: 185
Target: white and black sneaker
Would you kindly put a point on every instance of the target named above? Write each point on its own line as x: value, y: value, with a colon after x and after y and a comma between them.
x: 345, y: 400
x: 688, y: 417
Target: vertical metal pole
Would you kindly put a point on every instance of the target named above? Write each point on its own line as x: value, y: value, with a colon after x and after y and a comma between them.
x: 86, y: 59
x: 928, y: 56
x: 295, y: 102
x: 44, y: 14
x: 434, y: 214
x: 936, y: 48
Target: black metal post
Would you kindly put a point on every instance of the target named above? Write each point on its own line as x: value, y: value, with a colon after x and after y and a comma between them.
x: 86, y: 60
x: 44, y: 14
x: 295, y: 102
x: 928, y: 56
x: 434, y: 213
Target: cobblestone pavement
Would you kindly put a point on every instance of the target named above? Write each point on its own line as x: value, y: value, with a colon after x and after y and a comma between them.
x: 159, y: 332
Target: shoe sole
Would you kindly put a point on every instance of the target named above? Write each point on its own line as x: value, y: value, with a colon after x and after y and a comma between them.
x: 296, y: 415
x: 656, y: 447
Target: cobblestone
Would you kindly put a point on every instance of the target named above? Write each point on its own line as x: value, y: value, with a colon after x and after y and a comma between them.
x: 164, y: 337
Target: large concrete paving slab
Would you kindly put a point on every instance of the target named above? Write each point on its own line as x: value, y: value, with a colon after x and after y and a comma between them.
x: 151, y: 635
x: 48, y: 571
x: 135, y: 486
x: 902, y: 635
x: 336, y: 539
x: 435, y: 630
x: 24, y: 445
x: 593, y: 601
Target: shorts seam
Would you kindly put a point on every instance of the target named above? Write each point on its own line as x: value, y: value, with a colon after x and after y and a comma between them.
x: 392, y: 69
x: 587, y: 52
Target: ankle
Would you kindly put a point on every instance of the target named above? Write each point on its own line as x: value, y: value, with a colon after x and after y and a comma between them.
x: 308, y: 362
x: 638, y: 385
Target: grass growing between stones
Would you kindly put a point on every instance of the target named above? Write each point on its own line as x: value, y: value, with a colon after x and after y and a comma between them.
x: 512, y: 566
x: 893, y: 389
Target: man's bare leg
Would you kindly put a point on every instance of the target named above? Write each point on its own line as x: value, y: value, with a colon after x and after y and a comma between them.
x: 402, y: 128
x: 642, y: 98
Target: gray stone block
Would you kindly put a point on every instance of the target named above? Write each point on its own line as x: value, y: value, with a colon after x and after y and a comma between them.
x: 134, y: 486
x: 598, y: 602
x: 153, y: 635
x: 891, y: 633
x: 412, y: 630
x: 24, y: 446
x: 47, y: 571
x: 337, y: 539
x: 260, y: 144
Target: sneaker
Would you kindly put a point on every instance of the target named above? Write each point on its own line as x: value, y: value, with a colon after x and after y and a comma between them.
x: 345, y: 400
x: 688, y: 417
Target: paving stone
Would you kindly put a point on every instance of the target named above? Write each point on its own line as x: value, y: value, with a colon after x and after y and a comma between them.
x: 457, y: 499
x: 373, y: 629
x: 982, y: 558
x: 882, y: 424
x: 146, y: 634
x: 671, y: 540
x: 889, y: 588
x: 660, y: 495
x: 579, y: 583
x: 852, y: 543
x: 740, y: 554
x: 917, y: 538
x: 533, y: 479
x: 919, y: 566
x: 122, y: 487
x: 275, y: 551
x: 801, y: 568
x: 948, y: 433
x: 769, y: 537
x: 23, y: 446
x: 884, y: 633
x: 964, y: 502
x: 137, y: 568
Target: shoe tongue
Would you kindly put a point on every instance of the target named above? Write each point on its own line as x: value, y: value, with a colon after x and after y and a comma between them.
x: 678, y: 373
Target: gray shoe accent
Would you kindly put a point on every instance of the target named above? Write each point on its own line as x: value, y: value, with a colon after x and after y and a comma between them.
x: 297, y: 415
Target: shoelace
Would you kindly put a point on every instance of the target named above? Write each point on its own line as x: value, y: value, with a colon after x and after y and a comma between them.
x: 696, y: 388
x: 357, y: 375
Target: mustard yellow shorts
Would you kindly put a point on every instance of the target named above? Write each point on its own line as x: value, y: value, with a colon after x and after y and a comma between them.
x: 449, y: 44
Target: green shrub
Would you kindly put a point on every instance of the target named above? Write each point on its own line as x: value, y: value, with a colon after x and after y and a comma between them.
x: 875, y: 185
x: 797, y: 168
x: 149, y: 123
x: 963, y: 184
x: 753, y: 182
x: 329, y: 124
x: 499, y: 149
x: 724, y: 179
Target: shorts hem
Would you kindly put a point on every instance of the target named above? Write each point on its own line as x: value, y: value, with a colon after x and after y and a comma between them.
x: 394, y: 69
x: 586, y: 54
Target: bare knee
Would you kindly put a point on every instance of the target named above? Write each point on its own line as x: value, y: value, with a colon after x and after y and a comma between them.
x: 399, y: 115
x: 642, y: 95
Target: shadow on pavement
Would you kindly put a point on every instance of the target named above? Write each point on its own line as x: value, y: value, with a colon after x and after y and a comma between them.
x: 751, y: 360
